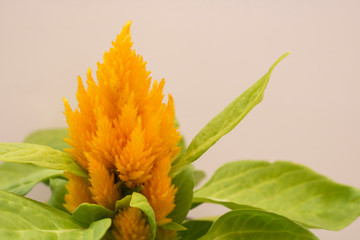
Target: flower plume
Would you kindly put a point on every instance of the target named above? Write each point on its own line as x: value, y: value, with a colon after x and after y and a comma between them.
x: 123, y: 135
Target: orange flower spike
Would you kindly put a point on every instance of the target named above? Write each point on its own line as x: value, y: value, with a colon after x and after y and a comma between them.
x: 121, y: 74
x: 123, y: 127
x: 78, y: 192
x: 159, y: 191
x: 130, y: 224
x: 135, y: 163
x: 169, y: 132
x: 127, y: 121
x: 103, y: 189
x: 77, y: 135
x: 82, y: 123
x: 105, y: 143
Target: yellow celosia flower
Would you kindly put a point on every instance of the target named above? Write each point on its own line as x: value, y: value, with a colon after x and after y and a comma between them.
x: 124, y: 136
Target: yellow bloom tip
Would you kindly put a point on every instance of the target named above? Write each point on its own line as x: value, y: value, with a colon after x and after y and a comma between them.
x: 127, y: 25
x: 126, y: 29
x: 79, y: 80
x: 89, y: 76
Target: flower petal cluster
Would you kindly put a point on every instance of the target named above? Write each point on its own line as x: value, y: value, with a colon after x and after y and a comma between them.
x: 123, y: 134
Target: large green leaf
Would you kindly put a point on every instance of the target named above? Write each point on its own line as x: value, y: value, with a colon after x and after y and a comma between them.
x: 195, y: 229
x: 226, y: 120
x: 285, y: 188
x: 21, y: 178
x: 39, y: 155
x: 178, y: 158
x: 50, y: 137
x: 58, y: 192
x: 199, y: 175
x: 87, y: 213
x: 256, y: 225
x: 22, y: 218
x: 184, y: 182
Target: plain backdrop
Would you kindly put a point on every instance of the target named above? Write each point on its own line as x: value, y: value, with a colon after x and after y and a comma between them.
x: 209, y: 52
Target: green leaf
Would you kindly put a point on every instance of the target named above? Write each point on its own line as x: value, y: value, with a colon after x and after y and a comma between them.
x: 39, y: 155
x: 199, y: 176
x: 178, y: 158
x: 256, y: 225
x: 50, y: 137
x: 22, y: 218
x: 87, y: 213
x: 139, y: 201
x: 184, y: 182
x: 226, y: 120
x: 285, y: 188
x: 58, y: 192
x: 21, y: 178
x: 123, y: 203
x: 181, y: 144
x: 98, y: 229
x: 195, y: 229
x: 173, y: 226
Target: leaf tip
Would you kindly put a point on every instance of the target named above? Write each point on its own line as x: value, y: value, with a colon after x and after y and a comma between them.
x: 278, y: 60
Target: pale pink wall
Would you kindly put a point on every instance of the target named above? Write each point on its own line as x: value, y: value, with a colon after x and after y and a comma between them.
x: 209, y: 52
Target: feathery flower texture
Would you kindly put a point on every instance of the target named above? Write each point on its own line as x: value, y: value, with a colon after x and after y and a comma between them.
x: 124, y: 136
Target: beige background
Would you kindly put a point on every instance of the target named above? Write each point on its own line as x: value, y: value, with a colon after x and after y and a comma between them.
x: 209, y: 52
